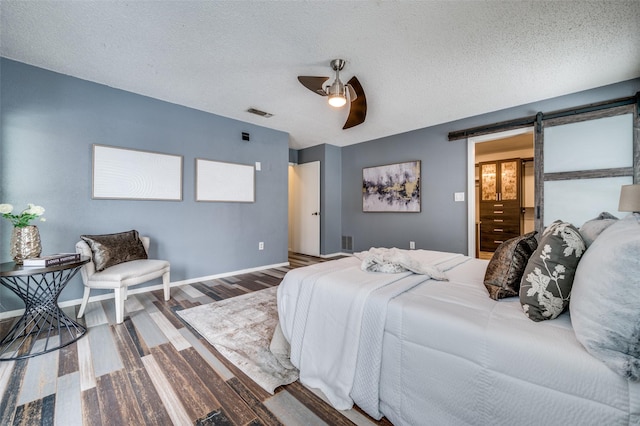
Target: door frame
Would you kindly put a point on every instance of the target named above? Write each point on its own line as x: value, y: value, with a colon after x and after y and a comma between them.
x: 471, y: 179
x: 295, y: 211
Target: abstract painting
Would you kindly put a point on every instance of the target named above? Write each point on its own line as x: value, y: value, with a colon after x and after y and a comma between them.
x: 391, y: 188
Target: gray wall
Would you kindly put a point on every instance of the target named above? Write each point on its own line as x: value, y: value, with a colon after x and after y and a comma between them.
x: 329, y: 157
x: 442, y: 223
x: 49, y: 123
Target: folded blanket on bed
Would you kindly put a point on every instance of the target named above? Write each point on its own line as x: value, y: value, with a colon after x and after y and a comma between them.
x: 393, y: 261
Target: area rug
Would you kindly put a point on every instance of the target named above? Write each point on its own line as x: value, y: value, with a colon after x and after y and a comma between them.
x: 241, y: 328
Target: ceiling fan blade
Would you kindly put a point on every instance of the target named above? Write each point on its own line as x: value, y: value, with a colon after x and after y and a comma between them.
x: 352, y: 93
x: 313, y: 83
x: 358, y: 110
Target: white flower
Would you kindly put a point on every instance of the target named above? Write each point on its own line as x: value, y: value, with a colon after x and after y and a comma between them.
x: 553, y: 305
x: 36, y: 210
x: 6, y: 208
x: 539, y: 282
x: 574, y: 242
x: 571, y: 238
x: 545, y: 252
x: 25, y: 217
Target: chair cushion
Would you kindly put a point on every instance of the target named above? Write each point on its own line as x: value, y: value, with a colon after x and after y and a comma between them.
x: 111, y: 249
x: 129, y: 273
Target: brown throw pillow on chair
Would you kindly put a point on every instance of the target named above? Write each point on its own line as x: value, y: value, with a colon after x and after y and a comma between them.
x: 112, y: 249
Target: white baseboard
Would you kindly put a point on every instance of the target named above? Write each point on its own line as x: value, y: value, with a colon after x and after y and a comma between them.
x: 110, y: 295
x: 325, y: 256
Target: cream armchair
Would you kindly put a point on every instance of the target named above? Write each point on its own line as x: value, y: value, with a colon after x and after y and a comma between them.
x: 121, y: 276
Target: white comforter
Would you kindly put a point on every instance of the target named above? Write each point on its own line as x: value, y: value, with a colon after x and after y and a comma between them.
x: 421, y: 351
x: 325, y: 335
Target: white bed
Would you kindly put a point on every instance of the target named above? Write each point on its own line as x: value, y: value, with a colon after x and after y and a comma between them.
x: 421, y: 351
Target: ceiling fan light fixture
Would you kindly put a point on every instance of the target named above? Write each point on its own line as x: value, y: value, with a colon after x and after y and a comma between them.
x: 337, y: 94
x: 337, y: 101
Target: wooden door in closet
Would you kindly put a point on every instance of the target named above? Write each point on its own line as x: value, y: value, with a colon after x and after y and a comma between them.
x: 500, y: 192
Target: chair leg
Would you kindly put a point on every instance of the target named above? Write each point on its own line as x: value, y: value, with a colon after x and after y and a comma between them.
x: 85, y: 300
x: 119, y: 299
x: 166, y: 280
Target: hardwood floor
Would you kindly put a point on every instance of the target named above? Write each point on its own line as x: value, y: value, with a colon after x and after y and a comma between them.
x: 486, y: 255
x: 153, y: 369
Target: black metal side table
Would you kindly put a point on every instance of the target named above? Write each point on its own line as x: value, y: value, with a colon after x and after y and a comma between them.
x: 43, y: 327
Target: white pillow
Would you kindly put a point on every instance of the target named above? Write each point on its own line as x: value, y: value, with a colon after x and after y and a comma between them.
x: 605, y: 299
x: 594, y: 227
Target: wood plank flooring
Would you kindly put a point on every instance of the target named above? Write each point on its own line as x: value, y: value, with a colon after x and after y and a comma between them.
x: 155, y: 370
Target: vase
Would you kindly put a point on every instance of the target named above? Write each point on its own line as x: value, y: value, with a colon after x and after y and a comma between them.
x: 25, y: 243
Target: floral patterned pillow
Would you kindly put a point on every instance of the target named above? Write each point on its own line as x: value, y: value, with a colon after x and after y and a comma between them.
x: 547, y: 280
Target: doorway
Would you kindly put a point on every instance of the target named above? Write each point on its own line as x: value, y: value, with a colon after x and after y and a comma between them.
x: 304, y: 208
x: 501, y: 189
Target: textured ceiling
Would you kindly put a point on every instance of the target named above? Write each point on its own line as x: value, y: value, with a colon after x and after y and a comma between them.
x: 420, y: 63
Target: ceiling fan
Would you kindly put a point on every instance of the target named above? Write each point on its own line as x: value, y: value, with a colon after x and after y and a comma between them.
x: 339, y: 93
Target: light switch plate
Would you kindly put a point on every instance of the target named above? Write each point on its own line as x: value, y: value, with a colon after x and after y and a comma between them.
x: 258, y: 166
x: 458, y: 196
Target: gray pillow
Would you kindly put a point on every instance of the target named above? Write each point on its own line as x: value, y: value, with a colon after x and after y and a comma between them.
x: 548, y: 277
x: 605, y: 303
x: 112, y: 249
x: 505, y: 269
x: 594, y: 227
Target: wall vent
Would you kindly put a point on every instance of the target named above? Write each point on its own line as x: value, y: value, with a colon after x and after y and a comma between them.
x: 260, y: 113
x: 347, y: 243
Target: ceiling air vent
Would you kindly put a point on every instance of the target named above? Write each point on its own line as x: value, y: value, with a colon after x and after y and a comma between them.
x: 260, y: 113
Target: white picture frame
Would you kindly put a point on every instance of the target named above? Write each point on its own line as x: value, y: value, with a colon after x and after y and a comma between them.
x: 131, y: 174
x: 220, y: 181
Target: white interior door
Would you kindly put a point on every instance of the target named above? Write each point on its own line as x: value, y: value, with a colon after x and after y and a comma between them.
x: 304, y: 202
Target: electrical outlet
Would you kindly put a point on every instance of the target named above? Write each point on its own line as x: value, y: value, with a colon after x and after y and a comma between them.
x: 412, y: 245
x: 260, y: 245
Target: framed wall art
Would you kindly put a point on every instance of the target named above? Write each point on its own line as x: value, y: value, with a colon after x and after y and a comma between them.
x: 391, y: 188
x: 131, y: 174
x: 221, y: 181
